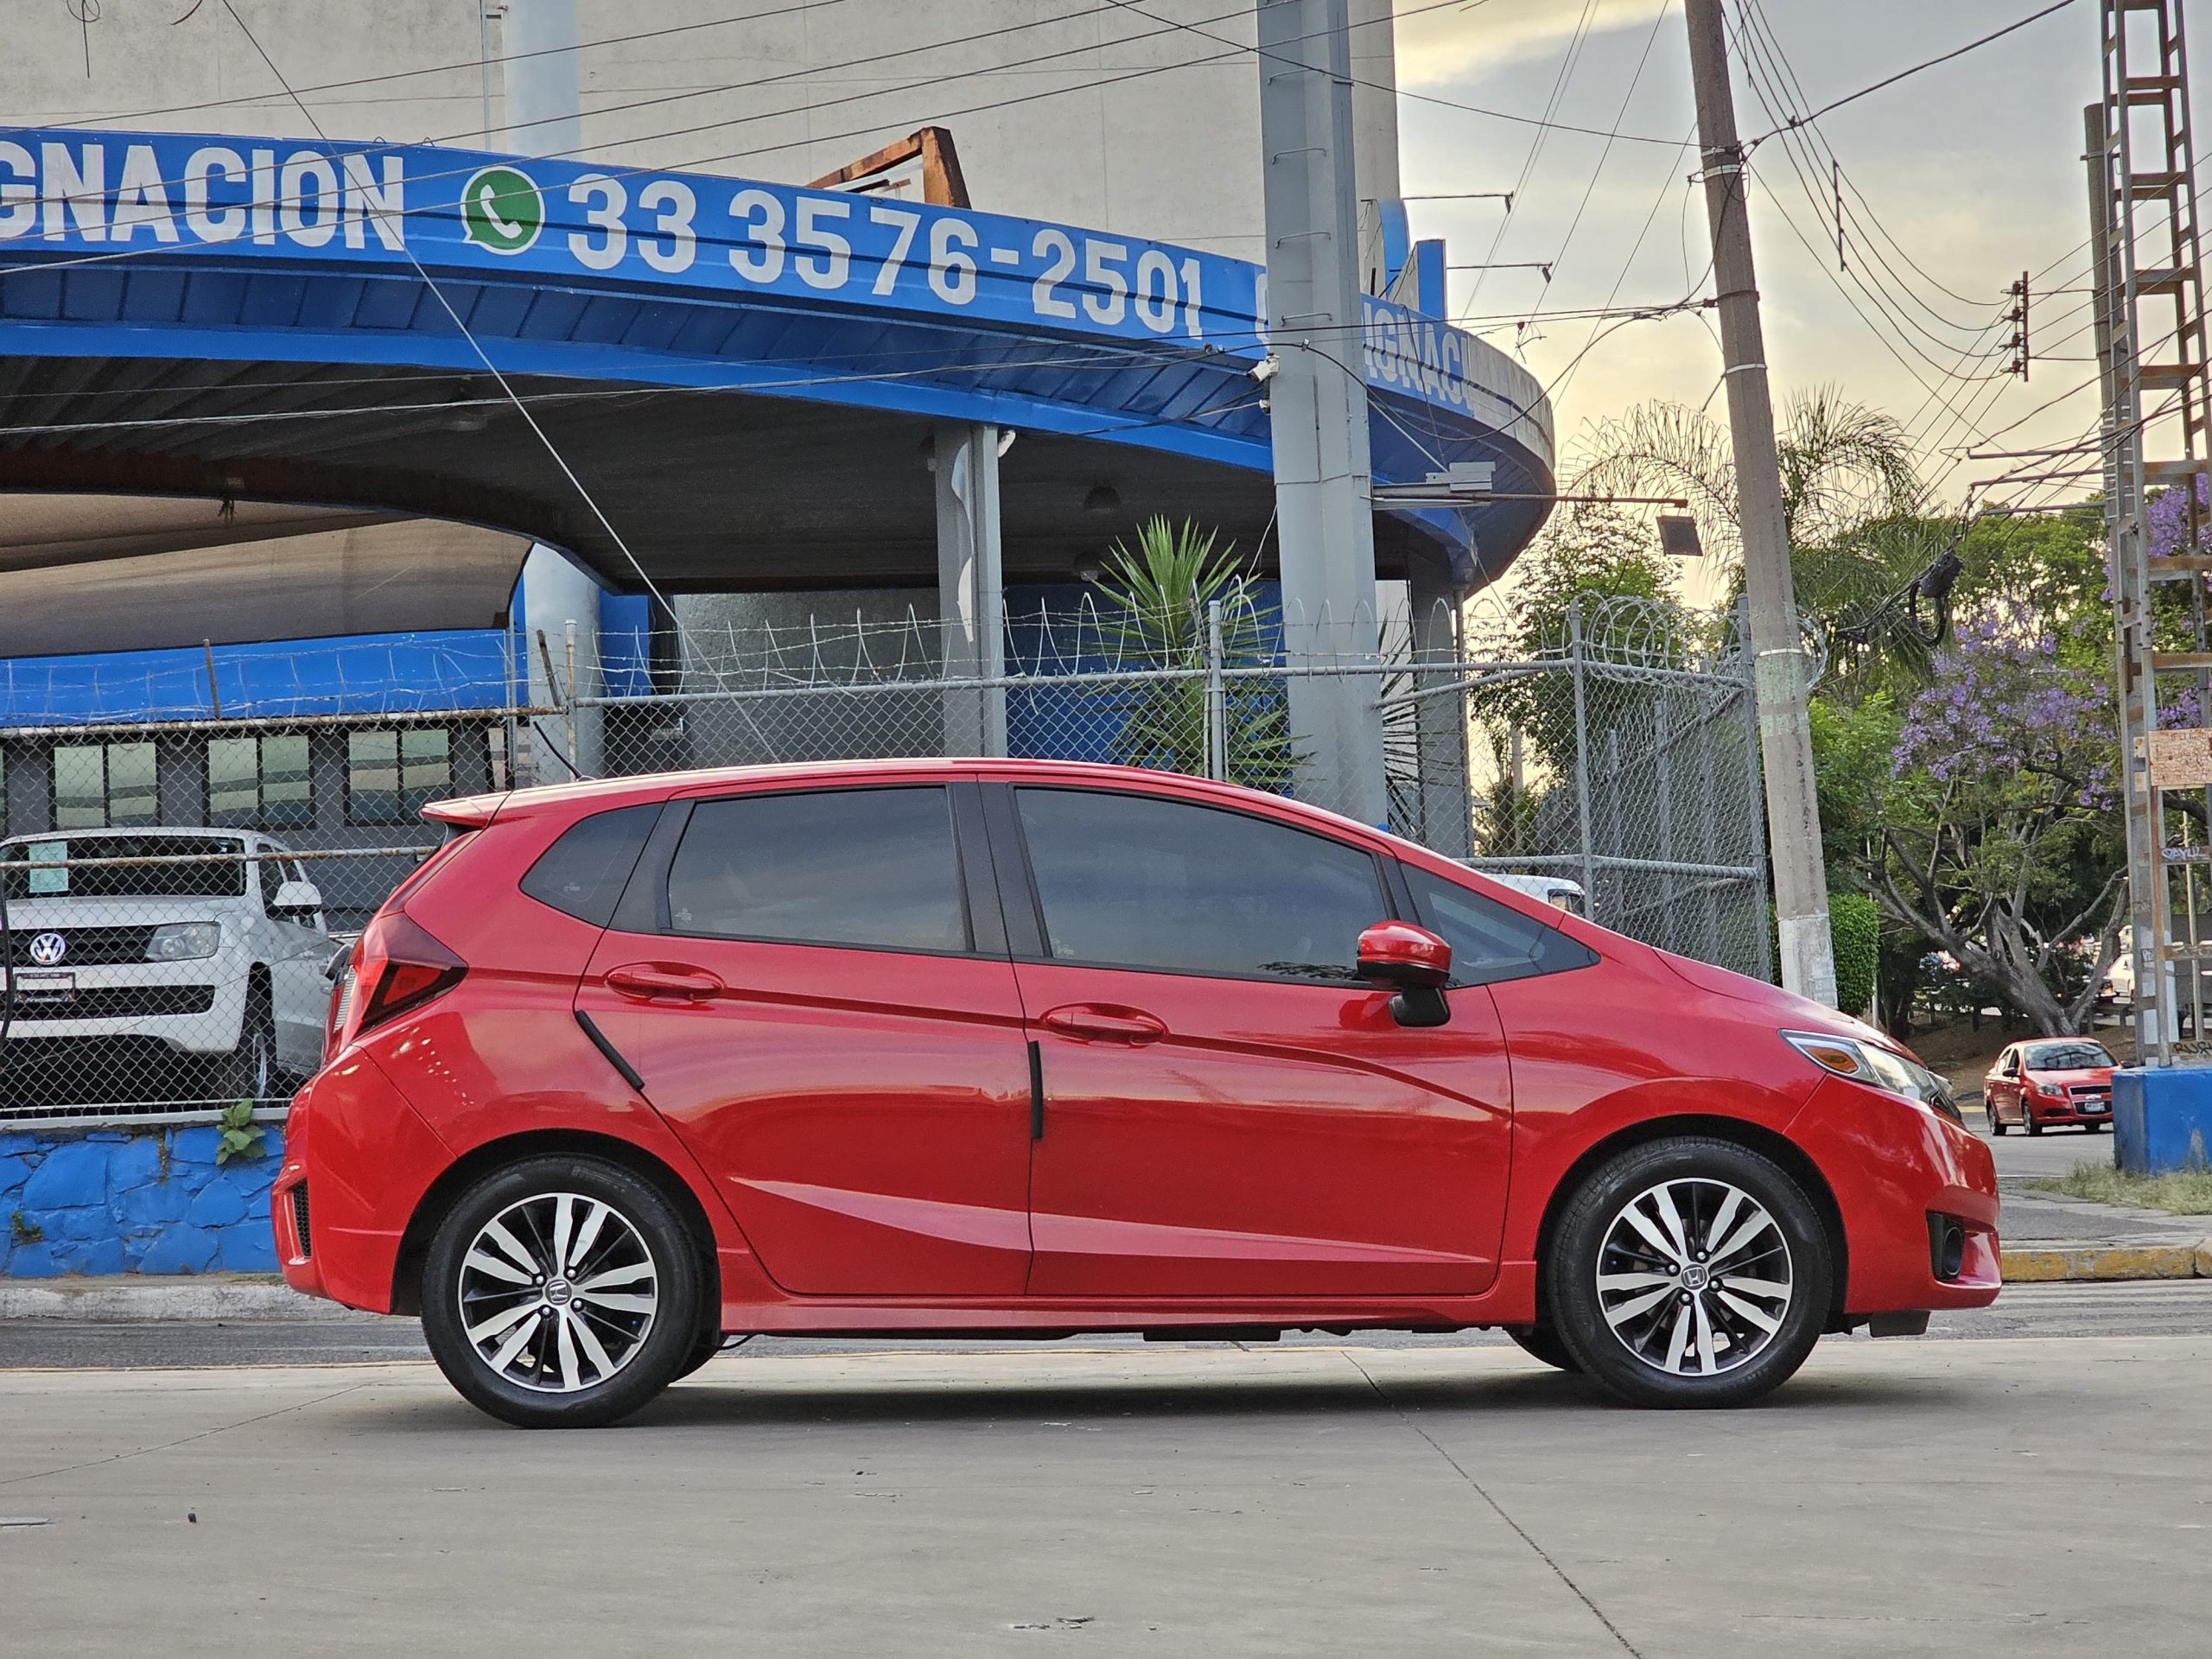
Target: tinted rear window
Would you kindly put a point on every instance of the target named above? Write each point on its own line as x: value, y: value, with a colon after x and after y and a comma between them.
x: 583, y: 872
x: 864, y: 867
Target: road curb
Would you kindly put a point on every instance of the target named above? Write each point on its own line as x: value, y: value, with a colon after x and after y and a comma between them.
x: 2035, y: 1264
x: 119, y: 1301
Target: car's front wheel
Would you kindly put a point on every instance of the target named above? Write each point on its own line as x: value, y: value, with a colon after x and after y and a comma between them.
x: 561, y: 1293
x: 1690, y: 1271
x: 1542, y: 1342
x: 250, y: 1071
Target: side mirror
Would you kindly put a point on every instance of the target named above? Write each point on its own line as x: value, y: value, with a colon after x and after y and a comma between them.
x: 295, y: 899
x: 1414, y: 962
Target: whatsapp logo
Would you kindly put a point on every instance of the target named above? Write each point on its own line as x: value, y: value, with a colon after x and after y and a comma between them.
x: 501, y: 210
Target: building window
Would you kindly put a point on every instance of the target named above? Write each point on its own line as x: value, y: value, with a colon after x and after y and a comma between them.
x: 97, y: 785
x: 391, y: 776
x: 259, y: 782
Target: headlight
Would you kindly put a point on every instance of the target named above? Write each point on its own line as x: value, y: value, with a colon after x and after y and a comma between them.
x: 183, y: 941
x: 1877, y: 1068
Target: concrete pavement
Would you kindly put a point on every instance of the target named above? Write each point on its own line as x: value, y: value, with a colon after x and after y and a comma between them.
x: 2032, y: 1495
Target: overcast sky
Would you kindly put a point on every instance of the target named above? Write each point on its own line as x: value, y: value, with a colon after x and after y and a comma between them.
x: 1972, y: 167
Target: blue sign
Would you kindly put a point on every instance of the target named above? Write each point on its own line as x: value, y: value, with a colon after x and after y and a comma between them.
x: 86, y: 198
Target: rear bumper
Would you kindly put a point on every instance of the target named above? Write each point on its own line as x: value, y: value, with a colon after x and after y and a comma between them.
x: 1892, y: 1166
x: 364, y: 1157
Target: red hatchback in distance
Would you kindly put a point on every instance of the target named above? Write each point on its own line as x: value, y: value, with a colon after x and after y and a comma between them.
x: 1039, y: 1048
x: 2051, y: 1080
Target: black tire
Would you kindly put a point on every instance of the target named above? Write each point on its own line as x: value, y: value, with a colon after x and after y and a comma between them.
x: 642, y: 1237
x: 2028, y: 1121
x: 1790, y: 1249
x: 1996, y: 1124
x: 1542, y: 1342
x: 250, y: 1071
x: 708, y: 1344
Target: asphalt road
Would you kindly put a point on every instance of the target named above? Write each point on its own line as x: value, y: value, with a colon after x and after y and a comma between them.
x: 2034, y: 1495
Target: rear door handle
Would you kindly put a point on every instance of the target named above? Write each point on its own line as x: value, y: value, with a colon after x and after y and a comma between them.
x: 1095, y: 1024
x: 651, y: 981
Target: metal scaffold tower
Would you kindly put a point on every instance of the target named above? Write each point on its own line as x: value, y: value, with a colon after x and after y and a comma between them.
x: 2152, y: 357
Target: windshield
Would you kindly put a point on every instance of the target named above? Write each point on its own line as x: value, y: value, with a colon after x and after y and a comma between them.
x: 188, y: 866
x: 2065, y: 1057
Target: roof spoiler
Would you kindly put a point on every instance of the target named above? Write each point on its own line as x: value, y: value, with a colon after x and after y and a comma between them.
x: 469, y: 813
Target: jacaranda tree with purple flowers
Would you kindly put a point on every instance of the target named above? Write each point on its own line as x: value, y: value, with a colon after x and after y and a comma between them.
x: 1997, y: 829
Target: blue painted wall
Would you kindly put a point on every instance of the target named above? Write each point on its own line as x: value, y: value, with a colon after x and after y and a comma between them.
x: 152, y: 1200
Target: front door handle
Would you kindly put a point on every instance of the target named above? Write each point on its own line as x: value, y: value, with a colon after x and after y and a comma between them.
x: 649, y: 981
x: 1093, y: 1023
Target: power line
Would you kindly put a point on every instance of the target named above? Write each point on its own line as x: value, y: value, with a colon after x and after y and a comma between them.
x: 1902, y: 74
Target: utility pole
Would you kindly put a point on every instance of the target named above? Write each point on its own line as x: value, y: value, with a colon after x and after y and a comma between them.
x: 1324, y: 522
x: 1793, y: 812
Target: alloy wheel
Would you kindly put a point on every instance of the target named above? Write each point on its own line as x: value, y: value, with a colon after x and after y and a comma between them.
x: 557, y: 1292
x: 1695, y: 1277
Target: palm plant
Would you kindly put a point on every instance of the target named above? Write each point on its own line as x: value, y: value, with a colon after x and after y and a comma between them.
x: 1164, y: 589
x: 1852, y: 509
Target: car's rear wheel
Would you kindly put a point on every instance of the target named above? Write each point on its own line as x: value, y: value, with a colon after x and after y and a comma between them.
x: 1996, y: 1124
x: 1542, y: 1341
x: 561, y: 1293
x: 1689, y: 1272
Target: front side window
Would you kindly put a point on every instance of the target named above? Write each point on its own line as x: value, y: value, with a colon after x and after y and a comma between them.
x: 259, y: 782
x: 391, y: 776
x: 875, y: 867
x: 1136, y: 881
x: 1490, y: 942
x: 97, y: 785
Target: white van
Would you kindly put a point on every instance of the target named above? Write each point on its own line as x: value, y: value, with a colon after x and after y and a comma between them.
x: 1554, y: 890
x: 198, y: 945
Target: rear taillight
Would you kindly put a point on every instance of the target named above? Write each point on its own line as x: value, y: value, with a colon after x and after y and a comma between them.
x: 396, y: 967
x: 341, y: 1007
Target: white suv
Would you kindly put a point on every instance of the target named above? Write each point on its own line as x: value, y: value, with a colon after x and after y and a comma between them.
x: 128, y: 948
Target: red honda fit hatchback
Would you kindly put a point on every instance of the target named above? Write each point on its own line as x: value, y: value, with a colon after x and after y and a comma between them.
x: 1040, y: 1048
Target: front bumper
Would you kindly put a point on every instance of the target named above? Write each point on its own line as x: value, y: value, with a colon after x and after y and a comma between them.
x: 2092, y: 1109
x: 1893, y: 1164
x: 193, y: 1006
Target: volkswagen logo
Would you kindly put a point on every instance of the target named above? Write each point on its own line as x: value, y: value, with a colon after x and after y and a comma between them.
x: 48, y: 949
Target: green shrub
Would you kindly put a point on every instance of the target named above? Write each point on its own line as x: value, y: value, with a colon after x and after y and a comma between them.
x: 1855, y: 929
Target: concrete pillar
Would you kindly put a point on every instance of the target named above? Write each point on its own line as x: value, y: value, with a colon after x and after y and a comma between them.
x: 1324, y: 526
x: 544, y: 101
x: 971, y: 584
x: 1439, y: 718
x: 555, y: 592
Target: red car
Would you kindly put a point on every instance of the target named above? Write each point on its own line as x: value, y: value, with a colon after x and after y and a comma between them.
x: 2051, y: 1080
x: 938, y: 1048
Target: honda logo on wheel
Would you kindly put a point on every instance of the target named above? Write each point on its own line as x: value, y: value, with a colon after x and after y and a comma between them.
x: 47, y: 948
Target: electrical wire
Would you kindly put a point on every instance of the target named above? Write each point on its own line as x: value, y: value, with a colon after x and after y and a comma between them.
x: 1902, y: 74
x: 1567, y: 60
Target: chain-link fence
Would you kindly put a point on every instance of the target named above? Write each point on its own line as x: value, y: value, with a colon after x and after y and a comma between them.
x: 176, y: 891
